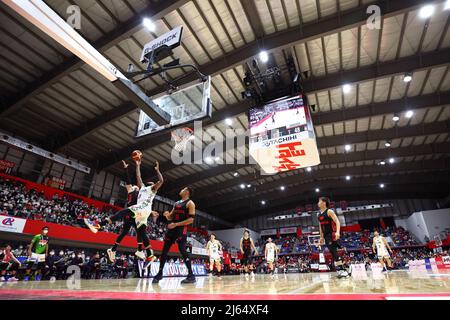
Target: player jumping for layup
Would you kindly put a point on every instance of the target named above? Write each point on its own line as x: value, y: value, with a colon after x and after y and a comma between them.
x: 139, y: 212
x: 180, y: 217
x: 381, y: 247
x: 214, y: 247
x: 271, y: 254
x: 330, y: 228
x: 128, y: 220
x: 247, y: 246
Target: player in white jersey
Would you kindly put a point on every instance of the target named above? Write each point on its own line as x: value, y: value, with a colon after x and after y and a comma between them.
x: 140, y: 212
x: 380, y: 246
x: 270, y: 254
x: 214, y: 247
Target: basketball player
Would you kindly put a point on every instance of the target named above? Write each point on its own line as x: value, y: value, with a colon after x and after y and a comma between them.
x: 246, y: 246
x: 270, y: 254
x: 8, y: 263
x: 330, y: 228
x: 128, y: 221
x: 380, y: 246
x: 182, y: 215
x: 139, y: 212
x: 214, y: 247
x: 37, y: 252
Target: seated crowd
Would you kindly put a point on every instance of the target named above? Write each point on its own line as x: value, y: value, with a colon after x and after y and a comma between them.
x: 93, y: 264
x: 289, y: 244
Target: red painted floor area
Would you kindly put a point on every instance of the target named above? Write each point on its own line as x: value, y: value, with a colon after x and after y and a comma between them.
x: 101, y: 295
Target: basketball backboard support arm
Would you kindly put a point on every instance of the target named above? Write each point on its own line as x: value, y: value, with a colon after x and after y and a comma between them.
x: 44, y: 18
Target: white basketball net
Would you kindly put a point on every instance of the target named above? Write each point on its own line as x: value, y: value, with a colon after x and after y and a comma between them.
x: 181, y: 137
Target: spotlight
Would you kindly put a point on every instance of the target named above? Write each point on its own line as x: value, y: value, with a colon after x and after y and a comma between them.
x: 346, y: 88
x: 149, y: 24
x: 317, y: 190
x: 347, y: 147
x: 242, y: 186
x: 263, y: 56
x: 249, y: 185
x: 209, y: 160
x: 347, y: 178
x: 381, y: 185
x: 426, y: 11
x: 308, y: 169
x: 263, y: 202
x: 217, y: 159
x: 391, y: 160
x: 382, y: 163
x: 407, y: 77
x: 395, y: 118
x: 282, y: 188
x: 228, y: 121
x: 235, y: 174
x: 387, y: 144
x: 409, y: 113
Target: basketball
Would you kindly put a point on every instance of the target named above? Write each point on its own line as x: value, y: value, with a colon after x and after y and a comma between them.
x: 136, y: 155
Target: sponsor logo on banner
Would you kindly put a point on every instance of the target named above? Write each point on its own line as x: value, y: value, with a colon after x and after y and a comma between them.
x: 323, y: 267
x: 288, y: 230
x: 359, y: 271
x: 199, y: 251
x: 314, y: 266
x: 5, y: 164
x: 170, y: 39
x: 12, y: 224
x: 268, y: 232
x: 171, y: 269
x: 446, y: 259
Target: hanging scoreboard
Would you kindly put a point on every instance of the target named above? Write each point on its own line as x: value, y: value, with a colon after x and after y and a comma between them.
x: 282, y: 136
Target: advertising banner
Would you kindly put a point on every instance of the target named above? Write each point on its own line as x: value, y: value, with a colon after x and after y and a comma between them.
x: 171, y: 270
x: 268, y: 232
x: 12, y: 224
x: 288, y: 230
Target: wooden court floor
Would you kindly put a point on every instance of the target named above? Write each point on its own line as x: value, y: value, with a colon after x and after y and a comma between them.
x: 310, y: 286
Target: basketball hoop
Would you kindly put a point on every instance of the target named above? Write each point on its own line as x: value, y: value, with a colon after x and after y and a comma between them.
x: 181, y: 137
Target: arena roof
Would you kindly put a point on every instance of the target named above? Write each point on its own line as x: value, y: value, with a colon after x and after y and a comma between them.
x: 50, y: 97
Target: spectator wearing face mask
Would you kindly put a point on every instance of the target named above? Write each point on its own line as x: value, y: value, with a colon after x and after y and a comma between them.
x: 121, y: 266
x: 76, y: 260
x: 50, y: 265
x: 93, y: 267
x: 61, y: 265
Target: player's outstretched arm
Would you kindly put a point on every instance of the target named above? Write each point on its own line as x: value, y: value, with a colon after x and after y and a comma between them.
x: 253, y: 246
x: 240, y: 246
x: 128, y: 186
x: 160, y: 182
x: 139, y: 181
x: 387, y: 244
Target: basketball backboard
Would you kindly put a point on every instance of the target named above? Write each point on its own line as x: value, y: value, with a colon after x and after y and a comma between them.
x: 184, y: 106
x: 46, y: 19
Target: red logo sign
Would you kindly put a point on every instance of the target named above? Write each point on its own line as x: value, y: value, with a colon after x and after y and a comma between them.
x: 8, y: 221
x: 286, y: 153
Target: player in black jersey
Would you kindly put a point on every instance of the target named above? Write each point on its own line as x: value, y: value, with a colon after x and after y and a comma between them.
x: 128, y: 220
x: 182, y: 215
x: 246, y: 245
x: 330, y: 227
